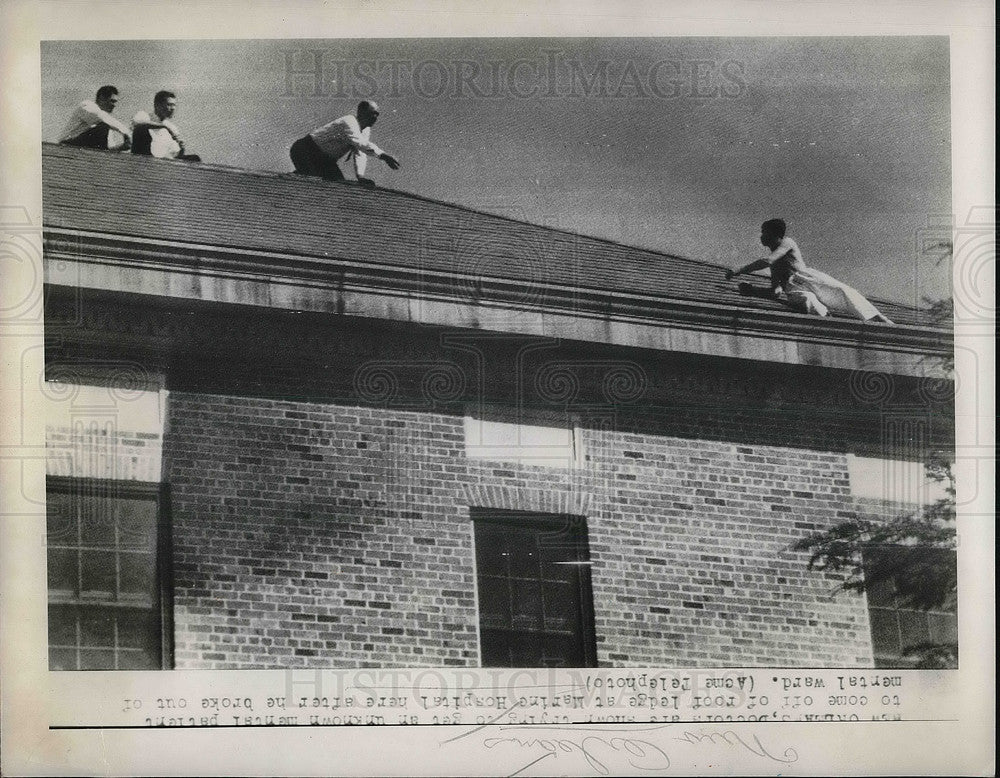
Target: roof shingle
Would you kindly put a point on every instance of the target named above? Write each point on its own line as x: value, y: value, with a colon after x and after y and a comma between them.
x: 228, y: 207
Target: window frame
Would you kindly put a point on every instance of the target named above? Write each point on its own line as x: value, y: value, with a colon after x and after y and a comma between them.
x: 542, y: 521
x: 897, y: 660
x: 163, y: 568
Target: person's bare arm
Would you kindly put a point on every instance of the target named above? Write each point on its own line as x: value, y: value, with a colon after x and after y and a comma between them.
x: 361, y: 163
x: 757, y: 264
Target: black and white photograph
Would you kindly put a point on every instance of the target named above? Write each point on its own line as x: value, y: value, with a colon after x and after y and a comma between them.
x: 630, y: 365
x: 619, y: 357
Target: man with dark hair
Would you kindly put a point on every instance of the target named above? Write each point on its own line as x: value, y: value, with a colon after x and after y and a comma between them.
x: 803, y: 288
x: 92, y: 125
x: 157, y: 135
x: 317, y: 153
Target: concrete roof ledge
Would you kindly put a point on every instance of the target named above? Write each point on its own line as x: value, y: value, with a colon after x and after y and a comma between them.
x: 221, y: 235
x: 340, y: 287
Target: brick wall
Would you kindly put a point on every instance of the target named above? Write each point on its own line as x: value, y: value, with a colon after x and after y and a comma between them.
x: 332, y: 535
x: 321, y: 535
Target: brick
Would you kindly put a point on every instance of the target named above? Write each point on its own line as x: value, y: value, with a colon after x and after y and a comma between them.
x: 374, y: 548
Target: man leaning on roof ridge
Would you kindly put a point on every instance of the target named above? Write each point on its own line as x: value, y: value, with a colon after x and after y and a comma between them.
x: 317, y: 153
x: 157, y: 135
x: 92, y: 125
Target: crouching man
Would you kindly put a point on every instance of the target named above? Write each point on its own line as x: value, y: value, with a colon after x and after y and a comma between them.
x: 319, y: 152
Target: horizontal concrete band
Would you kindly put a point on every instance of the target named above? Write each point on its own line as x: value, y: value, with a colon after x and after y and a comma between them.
x: 340, y: 287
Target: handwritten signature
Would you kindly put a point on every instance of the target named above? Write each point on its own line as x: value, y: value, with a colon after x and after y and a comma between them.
x: 731, y: 738
x: 588, y: 746
x: 599, y: 750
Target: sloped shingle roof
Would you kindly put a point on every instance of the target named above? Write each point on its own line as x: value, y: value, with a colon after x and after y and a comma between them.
x: 228, y: 207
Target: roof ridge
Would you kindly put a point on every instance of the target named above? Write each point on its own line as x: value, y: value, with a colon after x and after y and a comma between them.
x: 292, y: 176
x: 636, y: 251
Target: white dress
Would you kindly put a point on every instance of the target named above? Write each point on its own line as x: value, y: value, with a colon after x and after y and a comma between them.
x: 815, y: 292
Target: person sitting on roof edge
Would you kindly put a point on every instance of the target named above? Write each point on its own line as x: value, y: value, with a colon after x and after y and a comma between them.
x: 159, y: 137
x: 92, y: 126
x: 317, y: 153
x: 805, y: 290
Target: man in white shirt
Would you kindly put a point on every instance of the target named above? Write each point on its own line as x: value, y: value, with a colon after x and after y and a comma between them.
x: 92, y: 125
x: 157, y: 135
x: 317, y: 153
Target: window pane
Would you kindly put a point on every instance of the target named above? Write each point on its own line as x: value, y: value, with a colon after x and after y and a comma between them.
x: 560, y: 606
x: 494, y: 602
x: 913, y: 628
x: 97, y: 577
x: 62, y: 566
x: 560, y: 651
x: 527, y: 604
x: 60, y: 520
x: 527, y: 649
x: 97, y: 628
x: 491, y: 551
x: 62, y: 625
x: 137, y: 576
x: 138, y: 629
x: 493, y: 647
x: 885, y: 632
x: 97, y: 526
x: 137, y: 524
x: 97, y: 659
x: 562, y: 574
x: 62, y: 659
x: 524, y: 556
x: 138, y: 660
x: 507, y: 546
x: 944, y: 627
x: 882, y: 594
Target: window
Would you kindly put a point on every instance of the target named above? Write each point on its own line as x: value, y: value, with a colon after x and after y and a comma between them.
x: 897, y: 627
x: 106, y: 575
x: 535, y: 602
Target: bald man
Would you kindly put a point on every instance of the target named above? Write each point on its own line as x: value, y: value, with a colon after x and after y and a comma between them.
x: 318, y: 153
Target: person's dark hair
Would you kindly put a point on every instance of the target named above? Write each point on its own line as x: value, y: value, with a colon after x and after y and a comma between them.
x: 162, y: 96
x: 774, y: 226
x: 106, y: 91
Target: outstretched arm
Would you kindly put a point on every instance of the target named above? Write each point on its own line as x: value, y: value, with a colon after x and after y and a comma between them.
x: 757, y: 264
x: 361, y: 164
x: 364, y: 148
x: 358, y: 139
x: 782, y: 249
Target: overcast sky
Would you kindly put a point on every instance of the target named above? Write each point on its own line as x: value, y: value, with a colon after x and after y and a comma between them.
x: 681, y: 145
